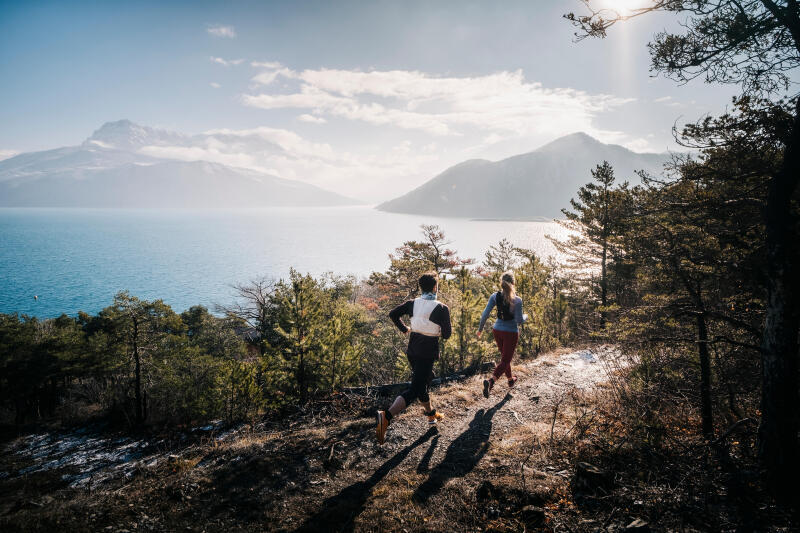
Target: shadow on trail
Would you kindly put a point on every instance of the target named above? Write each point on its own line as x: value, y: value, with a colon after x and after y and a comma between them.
x: 338, y: 512
x: 463, y: 453
x: 425, y: 464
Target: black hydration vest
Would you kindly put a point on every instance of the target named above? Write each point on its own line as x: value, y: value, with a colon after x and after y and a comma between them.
x: 503, y: 307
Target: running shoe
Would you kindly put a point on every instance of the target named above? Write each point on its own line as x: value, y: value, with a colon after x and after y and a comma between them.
x: 512, y: 382
x: 487, y: 386
x: 380, y: 428
x: 434, y: 418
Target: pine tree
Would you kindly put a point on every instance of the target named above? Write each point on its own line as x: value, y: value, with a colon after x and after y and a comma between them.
x: 414, y: 258
x: 531, y: 276
x: 342, y: 348
x: 598, y: 220
x: 139, y: 328
x: 300, y: 303
x: 500, y: 257
x: 463, y: 295
x: 698, y: 240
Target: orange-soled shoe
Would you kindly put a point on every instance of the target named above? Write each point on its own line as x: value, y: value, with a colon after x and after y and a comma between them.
x: 434, y: 417
x: 381, y: 426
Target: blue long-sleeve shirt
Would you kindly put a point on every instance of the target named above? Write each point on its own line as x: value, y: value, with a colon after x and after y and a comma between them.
x: 502, y: 325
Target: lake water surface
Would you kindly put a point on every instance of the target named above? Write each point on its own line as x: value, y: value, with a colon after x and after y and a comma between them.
x: 77, y: 259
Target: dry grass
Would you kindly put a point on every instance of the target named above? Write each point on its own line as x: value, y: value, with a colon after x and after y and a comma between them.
x: 521, y: 370
x: 249, y: 441
x: 463, y: 396
x: 185, y: 465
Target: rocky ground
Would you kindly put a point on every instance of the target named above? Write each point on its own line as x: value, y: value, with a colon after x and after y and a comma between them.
x: 506, y: 463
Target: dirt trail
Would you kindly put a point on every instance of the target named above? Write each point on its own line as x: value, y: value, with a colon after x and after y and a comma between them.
x: 416, y: 465
x: 330, y: 474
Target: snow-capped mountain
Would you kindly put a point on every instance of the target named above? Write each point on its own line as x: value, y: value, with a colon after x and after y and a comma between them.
x: 121, y: 165
x: 125, y: 135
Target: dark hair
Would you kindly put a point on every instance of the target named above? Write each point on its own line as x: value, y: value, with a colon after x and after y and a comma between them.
x: 427, y: 281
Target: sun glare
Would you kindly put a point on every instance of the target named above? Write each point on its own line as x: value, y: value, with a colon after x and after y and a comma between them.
x: 624, y: 7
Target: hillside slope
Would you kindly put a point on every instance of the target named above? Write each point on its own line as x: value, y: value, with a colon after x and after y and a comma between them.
x: 323, y: 471
x: 536, y: 184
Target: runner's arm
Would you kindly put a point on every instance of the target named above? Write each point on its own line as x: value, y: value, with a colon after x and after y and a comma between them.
x: 403, y: 309
x: 441, y: 317
x: 485, y: 314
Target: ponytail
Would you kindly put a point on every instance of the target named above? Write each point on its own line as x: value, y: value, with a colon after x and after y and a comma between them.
x: 509, y: 293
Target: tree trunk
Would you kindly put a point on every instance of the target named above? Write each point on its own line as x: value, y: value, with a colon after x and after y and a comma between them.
x: 462, y: 336
x: 231, y: 396
x: 603, y: 286
x: 705, y: 378
x: 777, y: 434
x: 333, y: 368
x: 138, y: 375
x: 301, y: 376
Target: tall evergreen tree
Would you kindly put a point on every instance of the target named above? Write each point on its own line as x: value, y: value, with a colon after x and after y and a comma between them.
x: 500, y: 257
x: 300, y: 303
x: 697, y: 240
x: 139, y: 328
x: 464, y: 298
x: 342, y: 347
x: 412, y: 259
x: 755, y: 44
x: 531, y: 278
x: 597, y: 219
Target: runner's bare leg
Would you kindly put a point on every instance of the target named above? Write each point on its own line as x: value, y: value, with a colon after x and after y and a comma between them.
x: 397, y: 406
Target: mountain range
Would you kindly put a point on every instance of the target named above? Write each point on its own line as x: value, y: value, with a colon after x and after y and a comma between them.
x: 123, y: 164
x: 120, y: 166
x: 535, y: 184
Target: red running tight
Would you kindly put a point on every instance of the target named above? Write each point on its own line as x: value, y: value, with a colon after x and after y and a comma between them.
x: 507, y: 343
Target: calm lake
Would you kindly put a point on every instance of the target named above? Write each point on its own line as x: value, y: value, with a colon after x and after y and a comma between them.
x: 77, y: 259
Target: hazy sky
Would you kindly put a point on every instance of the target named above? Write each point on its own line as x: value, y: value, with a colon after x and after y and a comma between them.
x: 368, y: 97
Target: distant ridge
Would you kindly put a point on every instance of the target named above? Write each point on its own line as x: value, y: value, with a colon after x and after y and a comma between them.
x: 109, y: 169
x: 526, y: 186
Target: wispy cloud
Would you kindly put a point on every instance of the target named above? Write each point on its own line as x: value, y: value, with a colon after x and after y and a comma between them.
x: 5, y: 154
x: 668, y: 101
x: 215, y: 85
x: 427, y: 123
x: 225, y: 62
x: 266, y: 64
x: 305, y: 117
x: 286, y: 154
x: 217, y: 30
x: 504, y: 103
